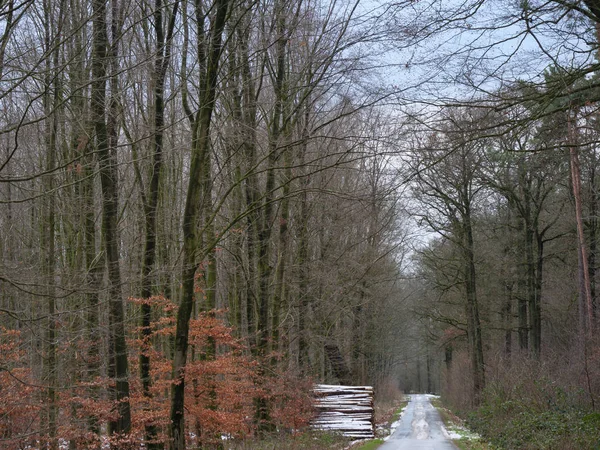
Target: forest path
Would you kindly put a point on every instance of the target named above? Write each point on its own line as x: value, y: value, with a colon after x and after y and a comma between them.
x: 420, y: 428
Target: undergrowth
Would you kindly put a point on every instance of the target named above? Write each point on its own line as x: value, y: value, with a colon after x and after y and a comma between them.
x: 454, y: 424
x: 517, y: 425
x: 533, y: 404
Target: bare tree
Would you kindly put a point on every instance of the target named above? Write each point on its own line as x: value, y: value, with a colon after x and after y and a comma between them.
x: 108, y: 176
x: 447, y: 190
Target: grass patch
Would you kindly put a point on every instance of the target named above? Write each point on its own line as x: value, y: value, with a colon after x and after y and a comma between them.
x: 369, y: 445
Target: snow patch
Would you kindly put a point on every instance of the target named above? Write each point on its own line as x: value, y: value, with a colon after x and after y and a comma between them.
x: 431, y: 395
x: 457, y: 432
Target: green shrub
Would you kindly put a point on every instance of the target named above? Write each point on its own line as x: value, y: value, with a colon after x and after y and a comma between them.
x: 523, y: 425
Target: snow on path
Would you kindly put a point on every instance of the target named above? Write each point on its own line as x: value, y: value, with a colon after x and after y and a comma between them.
x: 420, y: 428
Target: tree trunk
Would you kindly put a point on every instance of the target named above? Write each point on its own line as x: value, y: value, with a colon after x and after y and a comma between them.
x: 51, y: 99
x: 533, y: 340
x: 191, y: 218
x: 265, y: 270
x: 507, y: 321
x: 586, y: 292
x: 473, y: 324
x: 161, y: 63
x: 251, y: 182
x: 593, y: 235
x: 429, y: 374
x: 303, y: 294
x: 338, y: 364
x: 108, y: 178
x: 536, y: 316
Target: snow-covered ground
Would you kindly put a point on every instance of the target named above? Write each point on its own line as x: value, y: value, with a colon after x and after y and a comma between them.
x: 459, y: 432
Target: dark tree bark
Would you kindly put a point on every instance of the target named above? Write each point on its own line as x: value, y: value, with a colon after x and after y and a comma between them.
x: 264, y: 241
x: 268, y: 207
x: 108, y: 178
x: 161, y: 63
x: 473, y: 323
x: 51, y: 100
x: 303, y: 301
x: 279, y: 294
x: 252, y: 194
x: 192, y: 212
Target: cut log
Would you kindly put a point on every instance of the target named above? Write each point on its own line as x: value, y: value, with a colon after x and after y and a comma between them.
x: 345, y: 409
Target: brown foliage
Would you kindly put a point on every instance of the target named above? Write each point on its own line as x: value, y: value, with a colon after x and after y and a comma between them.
x: 221, y: 382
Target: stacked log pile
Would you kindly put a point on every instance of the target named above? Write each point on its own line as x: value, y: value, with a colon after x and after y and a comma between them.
x: 345, y: 409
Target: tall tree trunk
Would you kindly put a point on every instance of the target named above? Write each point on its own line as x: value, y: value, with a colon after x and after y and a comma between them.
x: 191, y: 218
x: 593, y: 236
x: 161, y: 63
x: 51, y: 99
x: 303, y: 294
x: 473, y: 323
x: 93, y: 263
x: 108, y: 178
x: 237, y: 300
x: 267, y: 220
x: 429, y: 374
x: 531, y: 285
x: 509, y: 282
x: 586, y: 292
x: 251, y: 181
x: 536, y: 316
x: 448, y: 353
x: 523, y: 327
x: 280, y: 293
x: 507, y: 320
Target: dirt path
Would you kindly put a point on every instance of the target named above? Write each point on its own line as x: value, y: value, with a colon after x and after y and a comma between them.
x: 420, y: 428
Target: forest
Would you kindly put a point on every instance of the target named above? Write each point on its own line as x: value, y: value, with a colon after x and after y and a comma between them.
x: 207, y: 206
